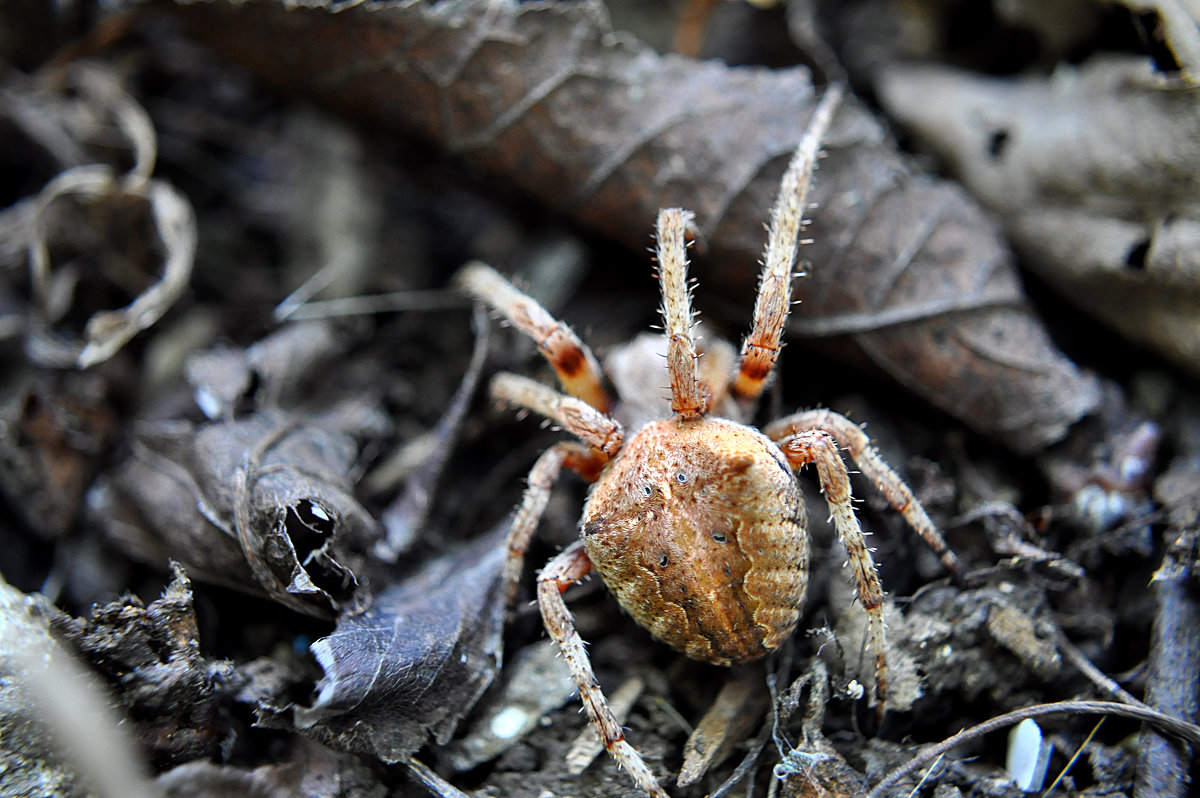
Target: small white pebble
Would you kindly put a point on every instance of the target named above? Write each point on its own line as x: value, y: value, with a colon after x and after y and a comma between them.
x: 209, y: 405
x: 509, y: 722
x: 1028, y: 756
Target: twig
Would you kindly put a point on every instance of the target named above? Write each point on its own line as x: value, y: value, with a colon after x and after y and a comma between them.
x: 432, y: 781
x: 1174, y: 663
x: 296, y: 308
x: 1098, y: 677
x: 1188, y: 732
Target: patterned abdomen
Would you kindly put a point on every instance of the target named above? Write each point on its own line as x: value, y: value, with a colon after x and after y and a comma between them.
x: 698, y: 528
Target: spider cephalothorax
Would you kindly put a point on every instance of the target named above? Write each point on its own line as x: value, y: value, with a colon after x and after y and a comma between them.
x: 695, y: 521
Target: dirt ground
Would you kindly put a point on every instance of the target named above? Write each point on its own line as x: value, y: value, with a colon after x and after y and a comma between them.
x: 253, y: 481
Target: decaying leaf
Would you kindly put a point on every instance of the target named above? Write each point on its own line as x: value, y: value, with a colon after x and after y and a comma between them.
x: 91, y: 233
x: 259, y: 502
x: 411, y: 665
x: 907, y: 272
x: 171, y: 692
x: 814, y: 768
x: 1094, y: 172
x: 281, y: 370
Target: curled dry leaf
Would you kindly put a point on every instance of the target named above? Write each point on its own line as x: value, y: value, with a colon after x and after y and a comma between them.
x: 90, y: 233
x: 261, y: 504
x: 411, y: 665
x: 1095, y: 175
x: 907, y: 271
x: 262, y: 501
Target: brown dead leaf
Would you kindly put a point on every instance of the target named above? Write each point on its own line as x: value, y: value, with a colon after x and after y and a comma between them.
x: 262, y: 501
x: 907, y: 271
x: 1094, y: 173
x: 413, y: 663
x: 261, y: 504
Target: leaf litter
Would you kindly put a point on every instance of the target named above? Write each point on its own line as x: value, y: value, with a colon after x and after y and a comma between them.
x: 246, y: 453
x: 911, y: 275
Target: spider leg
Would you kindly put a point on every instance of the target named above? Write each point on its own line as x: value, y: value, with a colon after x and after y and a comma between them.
x: 576, y: 366
x: 851, y: 438
x: 687, y: 394
x: 600, y: 432
x: 560, y: 573
x: 818, y: 446
x: 565, y: 454
x: 761, y: 346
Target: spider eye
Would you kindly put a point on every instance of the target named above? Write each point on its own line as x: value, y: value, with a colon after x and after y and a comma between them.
x: 720, y: 537
x: 681, y: 477
x: 647, y: 490
x: 664, y: 561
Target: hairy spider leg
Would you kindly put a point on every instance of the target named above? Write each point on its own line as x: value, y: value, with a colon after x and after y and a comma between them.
x: 578, y: 372
x: 560, y: 573
x: 575, y: 457
x: 856, y: 443
x: 688, y: 398
x: 761, y: 347
x: 603, y: 438
x: 818, y: 446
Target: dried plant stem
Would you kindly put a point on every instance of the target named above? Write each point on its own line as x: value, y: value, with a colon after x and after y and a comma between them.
x: 432, y: 781
x: 1172, y: 686
x: 1182, y: 730
x: 1098, y: 677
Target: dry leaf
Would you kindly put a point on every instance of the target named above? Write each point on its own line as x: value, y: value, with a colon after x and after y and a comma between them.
x: 906, y: 270
x: 411, y: 665
x: 261, y: 504
x: 151, y: 653
x: 262, y: 501
x: 91, y: 234
x: 1095, y: 174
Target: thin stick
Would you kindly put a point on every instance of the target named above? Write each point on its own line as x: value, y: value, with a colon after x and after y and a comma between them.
x: 1162, y: 768
x: 1098, y: 677
x: 1188, y: 732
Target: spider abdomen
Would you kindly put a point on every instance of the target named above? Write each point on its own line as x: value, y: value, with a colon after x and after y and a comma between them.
x: 698, y: 528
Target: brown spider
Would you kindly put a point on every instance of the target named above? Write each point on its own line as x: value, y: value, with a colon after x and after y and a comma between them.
x: 695, y: 522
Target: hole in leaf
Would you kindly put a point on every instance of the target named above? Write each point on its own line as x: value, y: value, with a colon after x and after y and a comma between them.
x: 1136, y: 258
x: 997, y: 142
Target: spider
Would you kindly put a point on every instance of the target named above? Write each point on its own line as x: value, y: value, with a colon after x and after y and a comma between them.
x: 696, y: 521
